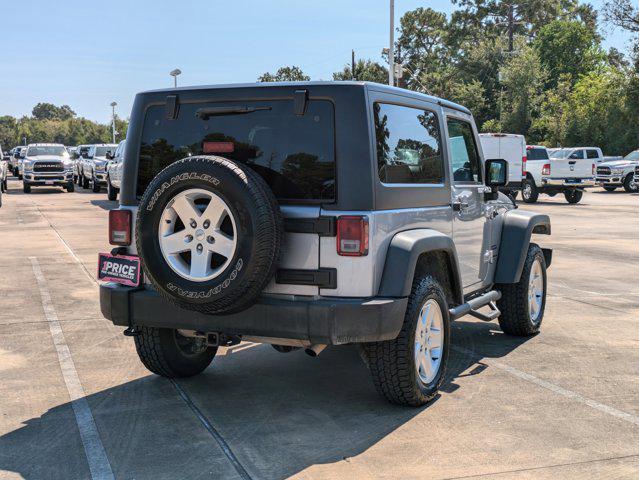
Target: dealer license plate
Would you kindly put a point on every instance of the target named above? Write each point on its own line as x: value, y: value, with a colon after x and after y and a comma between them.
x: 48, y: 182
x: 123, y: 269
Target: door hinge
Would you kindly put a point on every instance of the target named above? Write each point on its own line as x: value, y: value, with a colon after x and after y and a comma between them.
x: 489, y: 256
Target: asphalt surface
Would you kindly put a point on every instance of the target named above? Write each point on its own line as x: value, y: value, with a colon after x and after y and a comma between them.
x: 75, y: 402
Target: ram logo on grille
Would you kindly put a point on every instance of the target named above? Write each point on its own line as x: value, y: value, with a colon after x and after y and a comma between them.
x: 48, y: 167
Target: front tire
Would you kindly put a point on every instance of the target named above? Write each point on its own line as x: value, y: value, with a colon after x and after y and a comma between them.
x: 529, y: 191
x: 85, y: 182
x: 95, y: 186
x: 26, y: 188
x: 629, y: 185
x: 70, y: 187
x: 522, y: 304
x: 573, y: 196
x: 112, y: 193
x: 165, y: 352
x: 410, y: 369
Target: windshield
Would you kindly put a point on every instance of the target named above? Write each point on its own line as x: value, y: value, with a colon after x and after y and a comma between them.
x: 101, y: 151
x: 57, y: 151
x: 563, y: 153
x: 632, y: 155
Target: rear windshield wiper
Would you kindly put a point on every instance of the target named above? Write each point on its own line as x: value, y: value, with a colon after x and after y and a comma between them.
x: 205, y: 113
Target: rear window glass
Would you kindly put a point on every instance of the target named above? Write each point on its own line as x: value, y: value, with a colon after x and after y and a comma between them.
x: 294, y: 154
x: 537, y: 154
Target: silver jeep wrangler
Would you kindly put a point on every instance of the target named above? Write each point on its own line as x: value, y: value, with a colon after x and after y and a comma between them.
x: 313, y: 214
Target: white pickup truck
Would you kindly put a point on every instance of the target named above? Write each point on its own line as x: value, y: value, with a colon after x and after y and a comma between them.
x: 568, y: 171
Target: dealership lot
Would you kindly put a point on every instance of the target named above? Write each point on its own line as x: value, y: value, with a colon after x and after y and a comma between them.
x: 562, y: 404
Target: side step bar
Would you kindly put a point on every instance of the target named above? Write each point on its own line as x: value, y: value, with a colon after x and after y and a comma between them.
x: 471, y: 307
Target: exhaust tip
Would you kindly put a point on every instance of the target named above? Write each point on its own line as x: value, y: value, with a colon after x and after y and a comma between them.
x: 315, y: 350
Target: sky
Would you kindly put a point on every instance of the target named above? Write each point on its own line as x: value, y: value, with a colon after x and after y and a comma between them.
x: 87, y: 54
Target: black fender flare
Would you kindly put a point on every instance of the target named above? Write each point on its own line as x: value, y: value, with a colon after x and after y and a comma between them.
x: 517, y: 228
x: 401, y: 260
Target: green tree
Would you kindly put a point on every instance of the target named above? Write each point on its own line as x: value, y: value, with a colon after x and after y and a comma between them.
x: 623, y: 13
x: 48, y: 111
x: 568, y: 47
x: 365, y: 71
x: 285, y: 74
x: 523, y: 78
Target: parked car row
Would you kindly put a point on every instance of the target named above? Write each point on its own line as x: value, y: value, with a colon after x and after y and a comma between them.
x: 53, y: 164
x: 537, y: 170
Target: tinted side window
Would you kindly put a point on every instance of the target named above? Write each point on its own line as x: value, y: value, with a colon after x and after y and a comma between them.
x: 408, y: 144
x: 577, y: 154
x: 592, y: 153
x: 294, y: 154
x: 537, y: 154
x: 464, y: 155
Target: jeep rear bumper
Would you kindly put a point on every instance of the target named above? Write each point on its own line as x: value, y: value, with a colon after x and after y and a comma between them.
x: 327, y: 320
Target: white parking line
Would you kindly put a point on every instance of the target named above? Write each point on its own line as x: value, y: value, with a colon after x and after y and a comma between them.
x: 99, y: 465
x: 628, y: 417
x: 65, y: 244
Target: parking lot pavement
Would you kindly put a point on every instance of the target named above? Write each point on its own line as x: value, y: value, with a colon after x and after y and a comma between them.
x: 76, y: 403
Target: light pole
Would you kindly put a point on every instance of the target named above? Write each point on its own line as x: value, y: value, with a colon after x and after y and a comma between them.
x: 391, y: 51
x: 174, y: 74
x: 113, y: 104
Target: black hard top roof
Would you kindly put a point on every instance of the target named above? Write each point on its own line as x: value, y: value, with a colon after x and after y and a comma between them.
x: 378, y: 87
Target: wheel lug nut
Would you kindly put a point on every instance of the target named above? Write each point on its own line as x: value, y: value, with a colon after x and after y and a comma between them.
x: 207, y: 223
x: 193, y: 224
x: 210, y: 239
x: 199, y: 248
x: 188, y: 238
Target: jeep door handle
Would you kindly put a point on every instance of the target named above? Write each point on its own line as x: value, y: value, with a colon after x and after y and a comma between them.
x: 460, y: 205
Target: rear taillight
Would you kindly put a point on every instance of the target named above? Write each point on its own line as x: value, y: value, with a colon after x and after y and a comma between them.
x: 594, y: 169
x: 524, y: 159
x: 546, y: 169
x: 120, y: 227
x: 352, y: 236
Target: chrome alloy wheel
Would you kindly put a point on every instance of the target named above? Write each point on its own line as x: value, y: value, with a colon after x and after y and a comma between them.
x: 527, y: 191
x: 197, y: 235
x: 429, y: 341
x: 535, y: 291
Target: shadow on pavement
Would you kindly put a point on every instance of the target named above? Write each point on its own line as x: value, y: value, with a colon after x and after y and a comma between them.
x: 105, y: 204
x: 280, y: 414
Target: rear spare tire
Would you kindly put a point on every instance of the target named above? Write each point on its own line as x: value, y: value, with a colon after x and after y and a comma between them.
x: 209, y: 232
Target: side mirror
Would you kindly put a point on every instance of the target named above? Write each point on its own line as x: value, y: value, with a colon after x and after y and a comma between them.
x: 496, y: 173
x: 16, y: 155
x: 109, y: 155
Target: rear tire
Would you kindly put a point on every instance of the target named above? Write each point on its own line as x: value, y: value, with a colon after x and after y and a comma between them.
x: 610, y: 189
x: 165, y: 352
x: 26, y: 188
x: 573, y: 196
x: 522, y: 304
x: 394, y: 364
x: 629, y: 185
x: 529, y: 191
